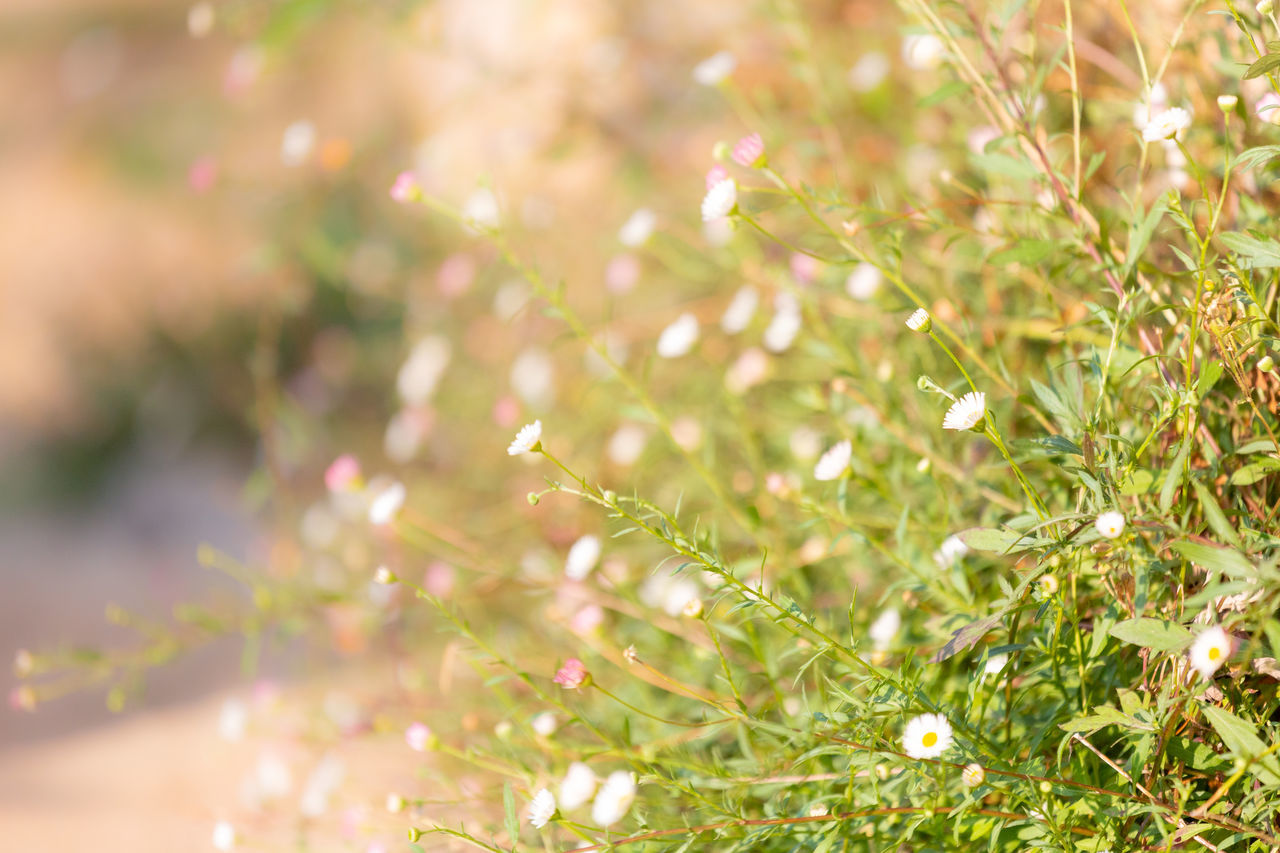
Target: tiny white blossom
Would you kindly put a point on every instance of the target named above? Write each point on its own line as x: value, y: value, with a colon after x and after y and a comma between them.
x: 224, y: 836
x: 995, y: 663
x: 967, y: 412
x: 480, y: 210
x: 714, y: 68
x: 578, y: 786
x: 297, y: 143
x: 541, y: 809
x: 387, y: 504
x: 533, y: 377
x: 583, y: 556
x: 869, y: 71
x: 919, y: 321
x: 422, y: 370
x: 1167, y: 125
x: 679, y: 337
x: 832, y: 464
x: 782, y: 330
x: 1210, y: 651
x: 614, y: 799
x: 638, y: 228
x: 923, y: 52
x: 927, y: 736
x: 740, y: 311
x: 720, y: 200
x: 1110, y: 524
x: 950, y: 552
x: 1227, y: 103
x: 885, y: 628
x: 321, y: 785
x: 233, y: 720
x: 200, y: 19
x: 545, y: 724
x: 863, y: 282
x: 526, y: 440
x: 627, y: 443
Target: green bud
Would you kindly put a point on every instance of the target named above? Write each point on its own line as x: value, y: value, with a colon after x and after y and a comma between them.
x: 1266, y: 364
x: 533, y: 498
x: 722, y: 152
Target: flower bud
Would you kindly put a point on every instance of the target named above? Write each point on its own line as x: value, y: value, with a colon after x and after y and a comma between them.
x: 973, y: 775
x: 533, y: 498
x: 384, y: 576
x: 1227, y: 103
x: 1266, y: 7
x: 1266, y: 364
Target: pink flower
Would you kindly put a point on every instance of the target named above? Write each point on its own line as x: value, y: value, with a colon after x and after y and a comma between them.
x: 750, y: 152
x: 203, y: 174
x: 343, y: 474
x: 419, y: 737
x: 573, y: 674
x: 456, y: 274
x: 506, y: 411
x: 717, y: 174
x: 622, y: 273
x: 405, y: 188
x: 805, y: 267
x: 1267, y: 108
x: 587, y: 620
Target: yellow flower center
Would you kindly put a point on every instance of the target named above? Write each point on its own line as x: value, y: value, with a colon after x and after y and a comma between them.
x: 929, y: 739
x: 1214, y: 653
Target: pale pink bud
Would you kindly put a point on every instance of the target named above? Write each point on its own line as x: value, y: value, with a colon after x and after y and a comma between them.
x: 805, y: 268
x: 405, y: 188
x: 749, y: 151
x: 203, y: 174
x: 455, y: 275
x: 419, y: 737
x: 506, y: 411
x: 439, y: 579
x: 343, y: 474
x: 622, y: 273
x: 716, y: 174
x: 573, y: 674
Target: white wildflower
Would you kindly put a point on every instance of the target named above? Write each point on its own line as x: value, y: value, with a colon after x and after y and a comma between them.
x: 927, y: 736
x: 720, y: 200
x: 422, y: 370
x: 950, y: 552
x: 679, y: 337
x: 885, y: 628
x: 869, y: 71
x: 583, y: 556
x: 1110, y: 524
x: 1210, y: 651
x: 297, y: 143
x: 527, y: 440
x: 863, y: 282
x: 480, y: 211
x: 714, y: 68
x: 224, y: 836
x: 1167, y: 125
x: 922, y: 52
x: 545, y: 724
x: 833, y: 464
x: 577, y: 786
x: 533, y: 378
x: 614, y: 798
x: 387, y: 504
x: 784, y: 327
x: 967, y: 412
x: 740, y: 311
x: 626, y: 444
x: 638, y: 228
x: 541, y: 809
x: 919, y: 321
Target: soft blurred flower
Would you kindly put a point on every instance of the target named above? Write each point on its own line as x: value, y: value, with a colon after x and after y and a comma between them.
x: 885, y: 628
x: 785, y: 325
x: 24, y: 663
x: 200, y: 20
x: 679, y: 337
x: 863, y: 282
x: 720, y: 201
x: 1210, y: 651
x: 203, y: 174
x: 422, y: 370
x: 621, y: 273
x: 242, y: 69
x: 967, y: 412
x: 1267, y: 108
x: 973, y: 775
x: 835, y: 462
x: 533, y: 378
x: 749, y: 152
x: 545, y: 724
x: 740, y: 311
x: 541, y: 809
x: 572, y: 675
x: 224, y: 836
x: 343, y: 474
x: 405, y: 433
x: 384, y: 508
x: 1227, y: 103
x: 980, y: 137
x: 1167, y: 125
x: 951, y: 551
x: 714, y: 68
x: 528, y: 440
x: 614, y: 798
x: 480, y: 210
x: 405, y: 188
x: 582, y: 558
x: 995, y: 663
x: 233, y: 720
x: 510, y: 299
x: 927, y: 736
x: 1157, y: 99
x: 922, y: 52
x: 869, y: 71
x: 638, y: 228
x: 747, y: 371
x: 715, y: 175
x: 626, y: 444
x: 804, y: 268
x: 1110, y: 524
x: 578, y: 786
x: 687, y: 433
x: 384, y: 576
x: 671, y: 593
x: 418, y: 736
x: 455, y: 275
x: 297, y: 143
x: 587, y: 620
x: 320, y: 786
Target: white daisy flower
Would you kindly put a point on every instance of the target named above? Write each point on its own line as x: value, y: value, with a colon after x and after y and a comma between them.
x: 950, y: 552
x: 527, y: 440
x: 578, y: 785
x: 714, y: 68
x: 224, y: 836
x: 384, y: 507
x: 1210, y: 651
x: 919, y: 321
x: 973, y: 775
x: 740, y: 311
x: 541, y: 809
x: 967, y: 412
x: 927, y: 736
x: 678, y: 338
x: 885, y: 628
x: 583, y: 556
x: 922, y: 52
x: 1167, y: 125
x: 863, y: 282
x: 720, y: 200
x: 832, y: 464
x: 637, y: 230
x: 616, y: 796
x: 1110, y: 524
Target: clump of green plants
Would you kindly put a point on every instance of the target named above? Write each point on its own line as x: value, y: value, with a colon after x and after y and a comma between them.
x: 914, y: 491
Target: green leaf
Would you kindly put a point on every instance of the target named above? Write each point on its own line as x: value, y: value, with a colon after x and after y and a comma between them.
x: 1265, y: 65
x: 945, y: 92
x: 1024, y: 252
x: 1173, y: 477
x: 1003, y: 164
x: 1228, y: 561
x: 1151, y: 633
x: 996, y: 541
x: 1214, y: 515
x: 1259, y: 446
x: 1252, y: 157
x: 1137, y: 483
x: 1253, y: 472
x: 1261, y: 253
x: 509, y: 805
x: 1241, y: 738
x: 1139, y: 237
